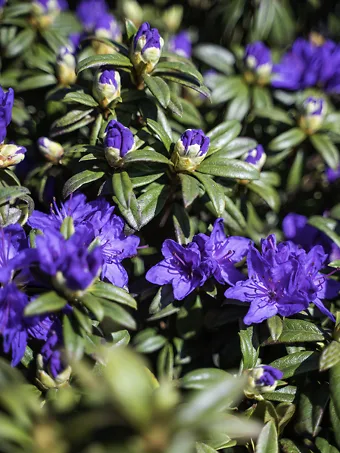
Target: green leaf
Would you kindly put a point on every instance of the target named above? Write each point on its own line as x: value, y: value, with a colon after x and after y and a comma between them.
x: 71, y: 117
x: 78, y: 97
x: 249, y: 347
x: 225, y: 88
x: 268, y: 440
x: 223, y: 134
x: 296, y: 330
x: 237, y: 148
x: 261, y: 98
x: 21, y: 42
x: 275, y: 327
x: 160, y: 132
x: 288, y: 139
x: 324, y: 446
x: 131, y: 28
x: 214, y: 192
x: 295, y: 172
x: 267, y: 193
x: 297, y: 363
x: 79, y: 180
x: 115, y: 59
x: 203, y: 378
x: 326, y: 148
x: 215, y: 56
x: 93, y: 303
x: 239, y: 106
x: 151, y: 344
x: 284, y: 394
x: 186, y: 81
x: 120, y: 338
x: 335, y: 421
x: 119, y: 315
x: 179, y: 66
x: 274, y: 114
x: 204, y: 448
x: 334, y: 384
x: 323, y: 224
x: 158, y: 88
x: 165, y: 362
x: 47, y: 303
x: 311, y: 409
x: 113, y: 293
x: 74, y: 344
x: 145, y: 155
x: 190, y: 189
x: 8, y: 194
x: 152, y: 202
x: 335, y: 263
x: 35, y: 82
x: 126, y: 199
x: 330, y: 356
x: 182, y: 225
x: 263, y: 21
x: 232, y: 169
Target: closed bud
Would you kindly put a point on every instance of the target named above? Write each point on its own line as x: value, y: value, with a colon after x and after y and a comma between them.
x: 118, y: 142
x: 106, y: 87
x: 180, y: 44
x: 46, y: 381
x: 45, y: 11
x: 256, y: 157
x: 258, y: 63
x: 313, y: 111
x: 262, y: 379
x: 190, y: 150
x: 133, y: 11
x: 11, y: 155
x: 52, y: 151
x: 106, y: 27
x: 66, y: 66
x: 146, y: 48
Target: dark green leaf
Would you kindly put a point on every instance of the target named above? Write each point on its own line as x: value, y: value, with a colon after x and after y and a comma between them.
x: 150, y: 344
x: 296, y: 330
x: 93, y: 303
x: 268, y: 440
x: 48, y: 302
x: 239, y: 106
x: 8, y: 194
x: 118, y: 314
x: 287, y: 139
x: 329, y: 152
x: 223, y: 134
x: 152, y: 202
x: 216, y: 57
x: 297, y: 363
x: 330, y: 356
x: 36, y: 81
x: 113, y: 293
x: 233, y: 169
x: 203, y: 378
x: 145, y: 155
x: 295, y: 172
x: 74, y: 344
x: 214, y: 192
x: 275, y: 327
x: 249, y: 347
x: 72, y: 117
x: 160, y: 132
x: 121, y: 338
x: 323, y: 224
x: 190, y: 189
x: 334, y: 384
x: 115, y: 59
x: 158, y: 88
x: 267, y: 193
x: 22, y: 41
x: 78, y: 97
x: 79, y: 180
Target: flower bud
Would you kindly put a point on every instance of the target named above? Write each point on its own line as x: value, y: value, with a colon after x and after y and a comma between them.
x: 262, y: 379
x: 172, y: 17
x: 190, y: 150
x: 180, y: 44
x: 313, y: 112
x: 6, y: 106
x: 258, y: 63
x: 106, y: 87
x: 52, y: 151
x: 46, y: 11
x: 332, y: 175
x: 45, y: 379
x: 66, y: 66
x: 256, y: 157
x: 106, y: 27
x: 118, y: 142
x: 132, y: 11
x: 146, y: 48
x: 11, y: 155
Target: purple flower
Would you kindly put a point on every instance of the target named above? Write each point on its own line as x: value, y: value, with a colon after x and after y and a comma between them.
x: 51, y: 352
x: 108, y: 27
x: 314, y: 106
x: 283, y: 280
x: 118, y: 142
x: 14, y: 253
x: 90, y: 11
x: 181, y: 44
x: 106, y: 86
x: 193, y: 143
x: 78, y: 266
x: 46, y: 6
x: 6, y: 105
x: 269, y: 376
x: 107, y: 227
x: 14, y: 327
x: 182, y: 267
x: 74, y: 40
x: 258, y: 58
x: 220, y: 253
x: 332, y: 175
x: 305, y: 65
x: 147, y: 38
x: 296, y: 229
x: 256, y: 157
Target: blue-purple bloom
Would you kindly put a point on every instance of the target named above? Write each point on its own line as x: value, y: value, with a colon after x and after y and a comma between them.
x: 47, y: 6
x: 269, y: 376
x: 258, y: 59
x: 90, y: 11
x: 146, y: 38
x: 181, y: 44
x: 70, y: 257
x: 6, y: 106
x: 284, y: 279
x: 106, y: 86
x: 182, y: 267
x: 220, y: 253
x: 107, y: 227
x: 51, y: 350
x: 256, y: 157
x: 118, y: 142
x: 193, y: 143
x: 107, y: 27
x: 332, y: 175
x: 296, y: 229
x: 307, y: 65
